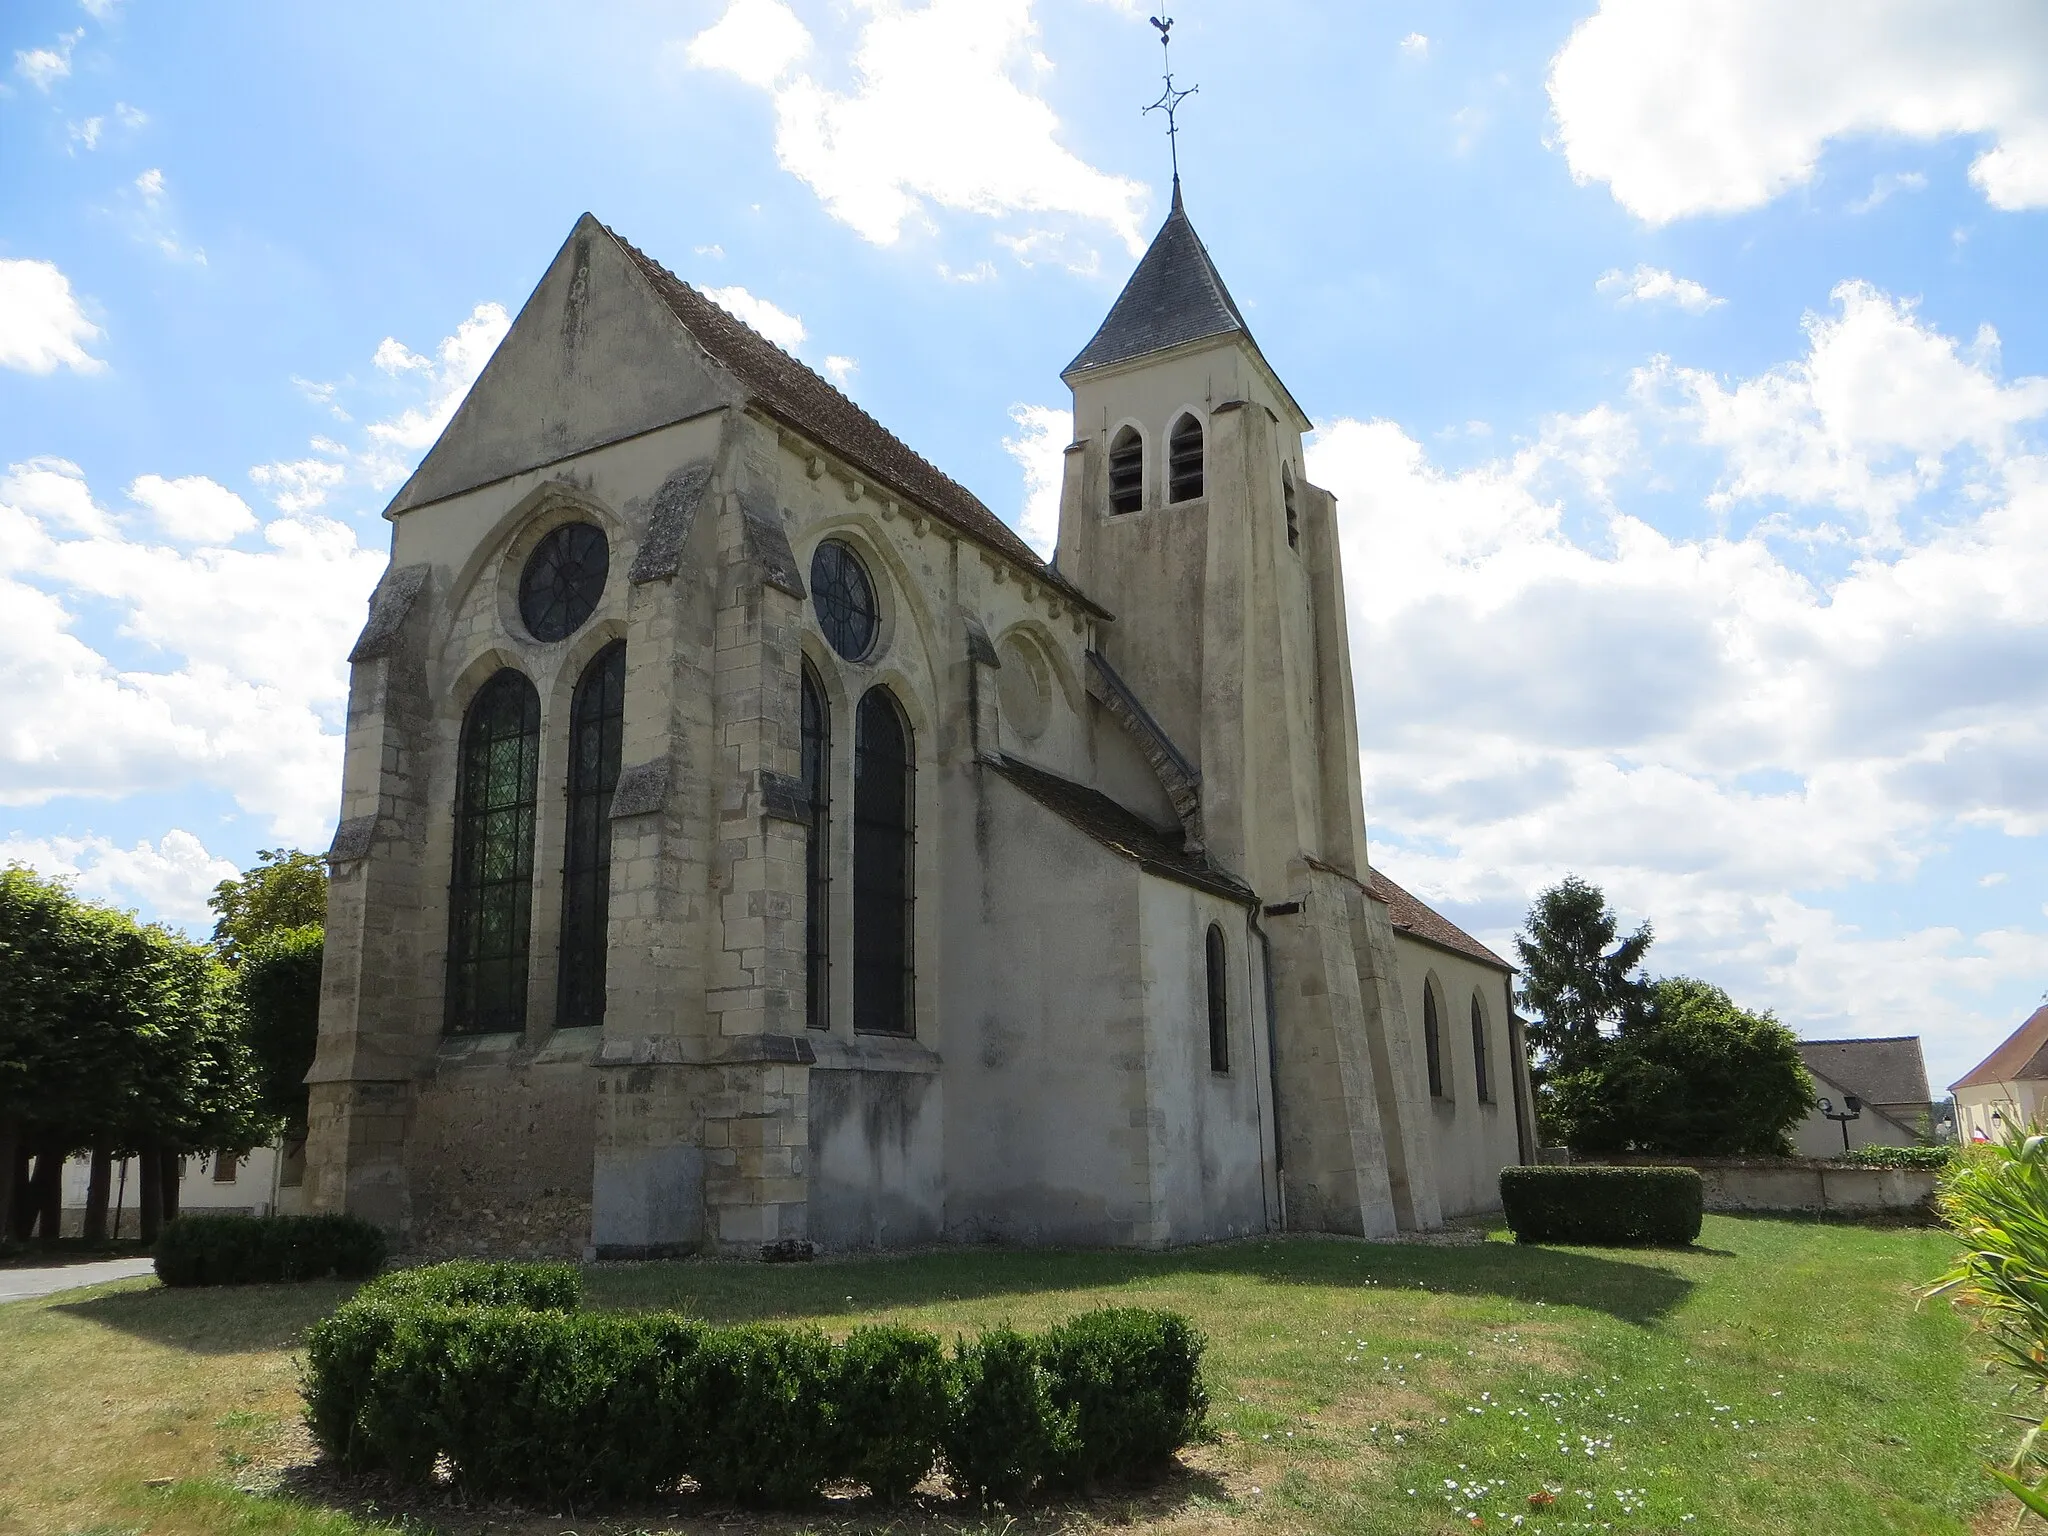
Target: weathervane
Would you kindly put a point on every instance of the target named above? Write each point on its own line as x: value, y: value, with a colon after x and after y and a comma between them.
x: 1169, y: 99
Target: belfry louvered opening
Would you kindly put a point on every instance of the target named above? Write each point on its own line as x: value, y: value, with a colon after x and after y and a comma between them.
x: 1184, y: 460
x: 1126, y: 471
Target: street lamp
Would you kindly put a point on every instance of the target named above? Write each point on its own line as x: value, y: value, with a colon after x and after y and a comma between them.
x: 1852, y: 1109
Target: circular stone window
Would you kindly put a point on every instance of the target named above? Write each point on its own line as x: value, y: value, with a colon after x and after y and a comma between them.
x: 1023, y: 686
x: 563, y: 579
x: 845, y: 599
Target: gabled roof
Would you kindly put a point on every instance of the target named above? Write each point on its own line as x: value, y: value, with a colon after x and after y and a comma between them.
x: 1122, y: 832
x: 789, y: 391
x: 1418, y: 921
x: 2022, y: 1058
x: 1175, y: 296
x: 1881, y: 1069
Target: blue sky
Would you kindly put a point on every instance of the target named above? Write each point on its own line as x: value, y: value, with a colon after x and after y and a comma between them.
x: 1679, y: 367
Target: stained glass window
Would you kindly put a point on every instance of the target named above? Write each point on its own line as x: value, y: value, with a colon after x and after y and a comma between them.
x: 1479, y: 1052
x: 845, y: 599
x: 1184, y: 460
x: 1432, y: 1042
x: 491, y: 894
x: 816, y: 766
x: 1219, y: 1003
x: 884, y: 839
x: 597, y: 717
x: 1127, y: 471
x: 563, y: 579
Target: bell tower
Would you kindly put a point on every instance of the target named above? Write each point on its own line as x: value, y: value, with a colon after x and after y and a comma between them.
x: 1186, y: 510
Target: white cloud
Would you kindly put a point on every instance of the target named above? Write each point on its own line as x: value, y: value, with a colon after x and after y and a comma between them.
x: 247, y: 688
x: 1043, y: 432
x: 151, y: 185
x: 1415, y: 45
x: 130, y: 117
x: 1884, y: 188
x: 771, y: 320
x: 1728, y: 737
x: 1865, y: 422
x: 841, y: 368
x: 88, y: 132
x: 453, y: 368
x: 939, y: 116
x: 299, y: 485
x: 168, y: 880
x: 1712, y: 106
x: 44, y: 67
x: 758, y: 40
x: 192, y: 509
x: 99, y: 10
x: 41, y: 326
x: 1653, y: 285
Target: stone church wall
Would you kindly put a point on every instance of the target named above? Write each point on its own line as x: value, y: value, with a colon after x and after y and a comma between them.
x: 1473, y: 1140
x: 877, y: 1144
x: 499, y: 1156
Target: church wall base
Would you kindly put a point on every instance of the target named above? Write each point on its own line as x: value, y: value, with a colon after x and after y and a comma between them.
x: 877, y: 1141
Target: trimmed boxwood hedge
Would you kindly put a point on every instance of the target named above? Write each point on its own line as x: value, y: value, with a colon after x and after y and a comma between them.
x: 1607, y: 1207
x: 495, y: 1368
x: 259, y: 1250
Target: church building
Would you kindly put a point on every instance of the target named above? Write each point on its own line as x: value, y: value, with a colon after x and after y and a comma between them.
x: 746, y: 837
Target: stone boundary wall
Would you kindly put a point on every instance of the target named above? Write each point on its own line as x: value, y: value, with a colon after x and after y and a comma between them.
x: 1801, y: 1184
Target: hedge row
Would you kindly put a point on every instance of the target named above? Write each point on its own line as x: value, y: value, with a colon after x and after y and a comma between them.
x: 559, y: 1405
x: 252, y: 1250
x: 1934, y: 1158
x: 1603, y: 1206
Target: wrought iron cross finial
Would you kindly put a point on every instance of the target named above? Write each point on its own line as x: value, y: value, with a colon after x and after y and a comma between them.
x: 1169, y: 99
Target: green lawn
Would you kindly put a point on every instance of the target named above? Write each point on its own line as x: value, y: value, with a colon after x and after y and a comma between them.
x: 1778, y: 1378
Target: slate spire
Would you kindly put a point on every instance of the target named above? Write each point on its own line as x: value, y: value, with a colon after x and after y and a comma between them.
x: 1175, y: 296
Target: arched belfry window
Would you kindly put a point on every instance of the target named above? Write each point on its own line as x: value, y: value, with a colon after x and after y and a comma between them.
x: 1126, y: 471
x: 597, y: 717
x: 491, y: 894
x: 815, y: 765
x: 1479, y: 1076
x: 1219, y: 1002
x: 1184, y: 460
x: 1287, y: 500
x: 1432, y: 1042
x: 884, y: 838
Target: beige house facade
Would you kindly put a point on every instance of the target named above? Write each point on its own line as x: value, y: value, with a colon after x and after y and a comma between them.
x: 2007, y: 1088
x: 746, y: 837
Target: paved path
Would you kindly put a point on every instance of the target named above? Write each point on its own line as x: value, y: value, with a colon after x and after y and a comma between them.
x: 20, y: 1284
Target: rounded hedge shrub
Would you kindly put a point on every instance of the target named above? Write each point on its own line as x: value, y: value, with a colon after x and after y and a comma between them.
x: 266, y: 1250
x: 1603, y: 1207
x: 496, y: 1368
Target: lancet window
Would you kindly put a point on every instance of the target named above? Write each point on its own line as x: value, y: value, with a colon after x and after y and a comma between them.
x: 884, y: 842
x: 1126, y: 471
x: 491, y: 894
x: 816, y: 767
x: 1432, y: 1042
x: 1184, y: 460
x: 1479, y: 1074
x: 597, y: 717
x: 1219, y: 1002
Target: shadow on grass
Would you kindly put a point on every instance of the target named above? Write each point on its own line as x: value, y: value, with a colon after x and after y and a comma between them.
x: 1173, y: 1491
x: 242, y: 1319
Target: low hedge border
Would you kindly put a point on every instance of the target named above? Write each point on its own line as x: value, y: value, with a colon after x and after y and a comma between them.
x: 1605, y: 1207
x: 266, y: 1250
x: 495, y: 1368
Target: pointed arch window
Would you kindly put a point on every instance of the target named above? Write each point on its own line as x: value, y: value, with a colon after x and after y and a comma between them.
x: 1479, y: 1073
x: 884, y: 841
x: 1184, y: 459
x: 597, y: 717
x: 816, y: 767
x: 1432, y: 1042
x: 491, y: 892
x: 1219, y: 1002
x: 1126, y: 471
x: 1287, y: 500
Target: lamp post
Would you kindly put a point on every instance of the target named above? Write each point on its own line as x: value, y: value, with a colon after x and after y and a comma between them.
x: 1852, y: 1109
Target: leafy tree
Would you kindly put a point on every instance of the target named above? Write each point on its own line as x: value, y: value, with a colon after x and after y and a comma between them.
x: 286, y: 889
x: 1580, y: 983
x: 278, y: 986
x: 1694, y: 1075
